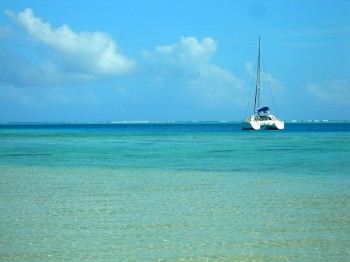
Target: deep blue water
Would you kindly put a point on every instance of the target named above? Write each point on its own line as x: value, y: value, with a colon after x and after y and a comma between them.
x: 166, y: 127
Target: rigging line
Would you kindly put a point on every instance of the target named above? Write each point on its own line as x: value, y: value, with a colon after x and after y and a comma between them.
x: 268, y: 83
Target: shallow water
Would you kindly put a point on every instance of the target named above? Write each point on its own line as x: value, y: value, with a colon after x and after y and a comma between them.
x: 174, y: 192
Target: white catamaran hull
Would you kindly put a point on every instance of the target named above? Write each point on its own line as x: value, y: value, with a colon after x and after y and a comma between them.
x: 254, y: 123
x: 257, y: 125
x: 250, y: 125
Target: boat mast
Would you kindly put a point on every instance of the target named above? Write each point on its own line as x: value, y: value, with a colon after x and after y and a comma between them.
x: 257, y: 85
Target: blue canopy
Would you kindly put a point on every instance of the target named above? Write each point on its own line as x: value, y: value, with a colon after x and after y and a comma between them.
x: 264, y: 109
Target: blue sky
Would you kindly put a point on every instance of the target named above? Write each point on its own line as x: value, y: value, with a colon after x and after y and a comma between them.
x: 172, y: 60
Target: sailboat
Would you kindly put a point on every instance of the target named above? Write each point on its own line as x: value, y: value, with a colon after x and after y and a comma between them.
x: 261, y: 118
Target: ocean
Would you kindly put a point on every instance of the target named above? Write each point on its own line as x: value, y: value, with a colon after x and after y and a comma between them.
x: 174, y: 192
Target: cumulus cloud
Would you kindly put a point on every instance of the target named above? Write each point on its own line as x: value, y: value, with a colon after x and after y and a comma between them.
x: 190, y: 60
x: 184, y: 58
x: 336, y: 91
x: 72, y: 56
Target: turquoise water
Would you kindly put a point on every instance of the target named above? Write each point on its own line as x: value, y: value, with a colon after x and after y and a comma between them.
x: 174, y: 192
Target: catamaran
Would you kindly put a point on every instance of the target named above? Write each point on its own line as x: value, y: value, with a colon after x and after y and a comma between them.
x: 261, y: 118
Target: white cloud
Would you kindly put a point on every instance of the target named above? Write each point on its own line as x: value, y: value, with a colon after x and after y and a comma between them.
x: 181, y: 59
x: 73, y: 56
x: 189, y: 60
x: 336, y: 91
x: 190, y: 47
